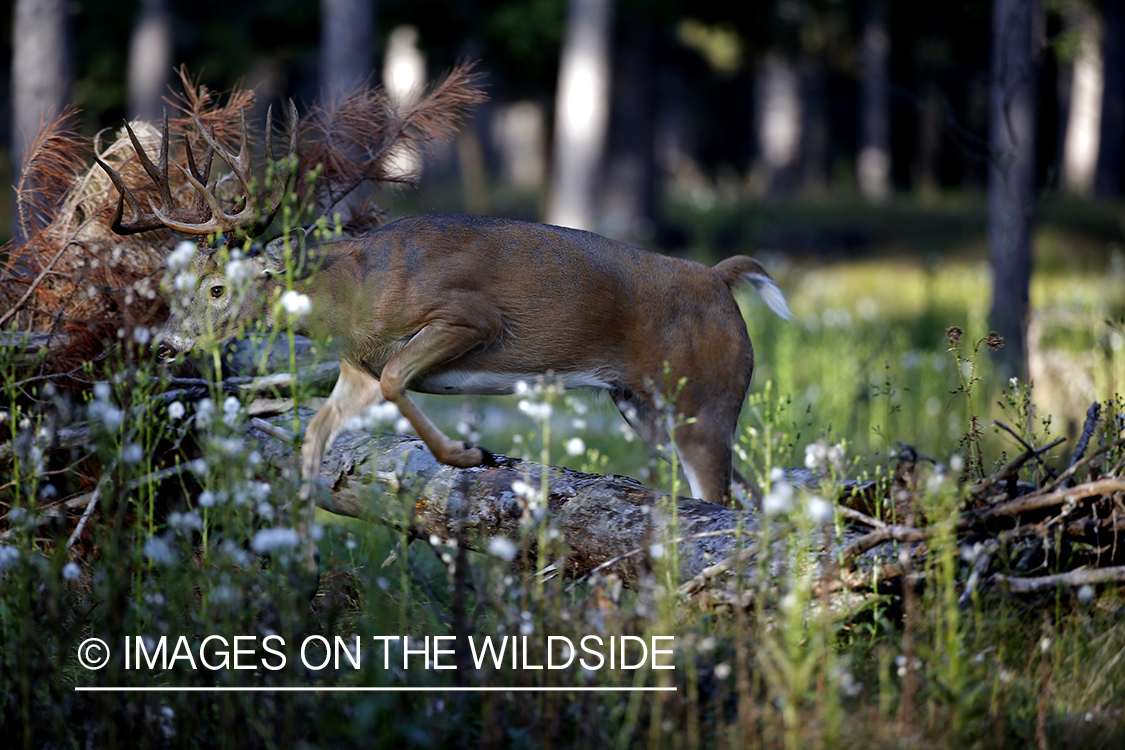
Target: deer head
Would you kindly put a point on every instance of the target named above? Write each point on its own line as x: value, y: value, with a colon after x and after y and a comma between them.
x: 217, y: 292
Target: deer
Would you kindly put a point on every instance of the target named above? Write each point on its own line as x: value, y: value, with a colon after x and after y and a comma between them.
x: 463, y: 305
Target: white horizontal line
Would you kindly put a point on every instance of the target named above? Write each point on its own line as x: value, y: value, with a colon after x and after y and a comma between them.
x: 374, y: 689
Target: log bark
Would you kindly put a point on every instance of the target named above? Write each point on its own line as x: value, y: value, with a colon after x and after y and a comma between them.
x: 599, y: 518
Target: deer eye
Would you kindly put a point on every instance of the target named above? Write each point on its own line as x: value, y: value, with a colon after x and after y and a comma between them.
x: 216, y: 291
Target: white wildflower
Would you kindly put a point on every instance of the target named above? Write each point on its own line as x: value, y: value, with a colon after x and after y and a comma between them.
x: 190, y: 521
x: 71, y: 571
x: 9, y: 555
x: 523, y: 489
x: 575, y: 446
x: 1086, y: 594
x: 820, y: 510
x: 721, y: 671
x: 181, y: 257
x: 176, y: 410
x: 239, y: 271
x: 231, y: 407
x: 273, y: 540
x: 159, y: 550
x: 142, y: 335
x: 132, y: 454
x: 779, y: 500
x: 816, y: 456
x: 185, y: 282
x: 849, y: 685
x: 297, y: 305
x: 203, y: 412
x: 540, y: 412
x: 502, y: 547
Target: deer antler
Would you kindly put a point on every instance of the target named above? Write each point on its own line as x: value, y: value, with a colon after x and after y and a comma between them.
x: 205, y: 216
x: 144, y: 220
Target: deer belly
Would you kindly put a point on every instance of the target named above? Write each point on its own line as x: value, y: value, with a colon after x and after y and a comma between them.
x: 482, y: 383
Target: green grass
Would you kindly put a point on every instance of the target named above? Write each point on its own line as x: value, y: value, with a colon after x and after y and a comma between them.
x: 866, y: 363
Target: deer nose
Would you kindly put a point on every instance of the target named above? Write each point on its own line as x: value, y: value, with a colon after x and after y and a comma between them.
x: 165, y: 352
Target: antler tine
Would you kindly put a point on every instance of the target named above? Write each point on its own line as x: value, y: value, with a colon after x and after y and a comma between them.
x: 200, y: 204
x: 240, y: 163
x: 143, y: 221
x: 220, y: 221
x: 206, y: 215
x: 158, y: 176
x: 281, y: 179
x: 293, y: 131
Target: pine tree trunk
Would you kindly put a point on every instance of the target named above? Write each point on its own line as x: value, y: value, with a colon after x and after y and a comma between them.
x: 1109, y: 179
x: 873, y: 165
x: 1011, y: 175
x: 581, y: 115
x: 347, y: 49
x: 41, y: 74
x: 150, y: 60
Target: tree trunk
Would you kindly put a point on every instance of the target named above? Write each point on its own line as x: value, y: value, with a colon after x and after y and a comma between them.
x: 1084, y: 105
x: 150, y: 60
x: 347, y: 49
x: 41, y: 74
x: 632, y: 181
x: 1011, y: 174
x: 581, y: 115
x: 873, y: 163
x: 778, y: 119
x: 1109, y: 179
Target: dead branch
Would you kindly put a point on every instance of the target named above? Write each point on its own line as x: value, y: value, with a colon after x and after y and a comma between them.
x: 1012, y: 468
x: 1092, y: 416
x: 1039, y: 501
x: 1069, y: 579
x: 1027, y: 448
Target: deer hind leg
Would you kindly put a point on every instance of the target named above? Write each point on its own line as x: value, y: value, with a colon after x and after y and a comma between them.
x: 430, y: 347
x: 354, y: 391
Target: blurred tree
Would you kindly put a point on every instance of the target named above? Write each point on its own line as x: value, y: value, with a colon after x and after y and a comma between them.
x: 778, y: 122
x: 150, y: 60
x: 581, y: 114
x: 1083, y: 118
x: 873, y: 162
x: 1016, y: 42
x: 629, y: 206
x: 41, y: 74
x: 1109, y: 179
x: 347, y: 47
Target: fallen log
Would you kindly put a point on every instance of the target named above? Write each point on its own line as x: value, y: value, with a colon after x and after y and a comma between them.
x: 599, y: 519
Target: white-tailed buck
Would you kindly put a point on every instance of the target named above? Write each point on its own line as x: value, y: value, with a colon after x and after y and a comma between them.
x: 474, y: 305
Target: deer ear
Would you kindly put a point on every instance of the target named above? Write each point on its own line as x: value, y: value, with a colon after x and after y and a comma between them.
x: 291, y: 248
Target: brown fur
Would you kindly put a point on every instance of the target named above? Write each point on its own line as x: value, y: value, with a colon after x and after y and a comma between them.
x: 466, y: 304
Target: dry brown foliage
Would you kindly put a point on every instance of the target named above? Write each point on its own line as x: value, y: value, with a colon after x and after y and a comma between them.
x: 79, y: 287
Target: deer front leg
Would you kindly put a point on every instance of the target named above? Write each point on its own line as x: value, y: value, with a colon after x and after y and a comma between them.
x: 354, y: 391
x: 430, y: 347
